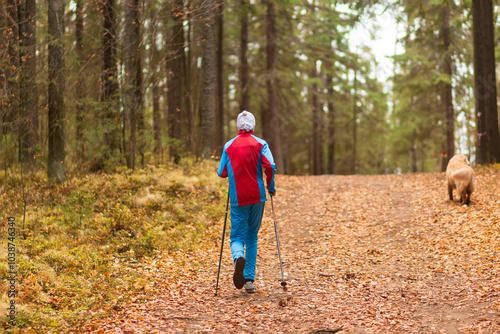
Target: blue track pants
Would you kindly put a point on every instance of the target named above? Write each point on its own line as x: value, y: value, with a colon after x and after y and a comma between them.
x: 245, y: 225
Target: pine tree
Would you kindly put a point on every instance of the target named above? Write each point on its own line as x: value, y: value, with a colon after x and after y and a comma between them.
x: 209, y: 80
x: 56, y: 164
x: 28, y: 117
x: 485, y: 93
x: 109, y: 78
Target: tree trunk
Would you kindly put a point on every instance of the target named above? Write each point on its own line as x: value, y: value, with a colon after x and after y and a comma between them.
x: 447, y: 89
x: 80, y: 96
x: 355, y: 124
x: 155, y: 84
x: 331, y: 126
x: 488, y: 138
x: 157, y: 121
x: 4, y: 60
x: 188, y: 90
x: 175, y: 76
x: 491, y: 111
x: 413, y: 153
x: 244, y: 77
x: 138, y: 89
x: 220, y: 76
x: 133, y: 77
x: 10, y: 105
x: 317, y: 121
x: 56, y: 167
x: 209, y: 68
x: 28, y: 120
x: 130, y: 121
x: 272, y: 129
x: 109, y: 80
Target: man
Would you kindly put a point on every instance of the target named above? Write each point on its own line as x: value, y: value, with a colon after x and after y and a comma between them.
x: 242, y: 161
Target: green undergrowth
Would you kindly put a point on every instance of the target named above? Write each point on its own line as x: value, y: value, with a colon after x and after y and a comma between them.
x: 78, y: 240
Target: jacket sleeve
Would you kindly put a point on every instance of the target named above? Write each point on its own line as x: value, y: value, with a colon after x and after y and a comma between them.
x: 270, y: 167
x: 222, y: 171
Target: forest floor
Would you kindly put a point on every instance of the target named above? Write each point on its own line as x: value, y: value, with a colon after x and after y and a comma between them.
x: 361, y: 254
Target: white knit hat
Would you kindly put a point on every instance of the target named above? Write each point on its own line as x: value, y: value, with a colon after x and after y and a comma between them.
x: 245, y: 121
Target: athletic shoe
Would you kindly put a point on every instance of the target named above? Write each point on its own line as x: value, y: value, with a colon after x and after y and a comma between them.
x: 238, y: 276
x: 250, y: 287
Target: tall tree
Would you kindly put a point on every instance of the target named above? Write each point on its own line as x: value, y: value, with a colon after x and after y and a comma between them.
x: 188, y: 85
x: 10, y: 63
x: 56, y: 166
x: 244, y: 77
x: 272, y: 125
x: 331, y: 125
x: 80, y: 96
x: 355, y: 122
x: 423, y: 99
x: 28, y: 118
x: 317, y: 126
x: 109, y: 79
x: 139, y: 89
x: 485, y: 92
x: 133, y: 82
x: 175, y: 77
x: 155, y: 82
x: 219, y: 18
x: 209, y: 80
x: 447, y: 97
x: 4, y: 61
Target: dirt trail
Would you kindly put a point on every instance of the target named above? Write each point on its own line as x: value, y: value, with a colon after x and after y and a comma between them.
x: 384, y: 254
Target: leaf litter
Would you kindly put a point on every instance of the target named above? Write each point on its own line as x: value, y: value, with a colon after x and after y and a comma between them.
x: 361, y: 254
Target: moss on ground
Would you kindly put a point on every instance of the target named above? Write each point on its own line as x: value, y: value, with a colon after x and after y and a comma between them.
x: 77, y: 241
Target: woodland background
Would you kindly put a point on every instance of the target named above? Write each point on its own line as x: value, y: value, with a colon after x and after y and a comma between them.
x: 94, y: 85
x: 125, y: 103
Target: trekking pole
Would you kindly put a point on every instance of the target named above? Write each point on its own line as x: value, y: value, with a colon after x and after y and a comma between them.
x: 222, y: 245
x: 283, y: 283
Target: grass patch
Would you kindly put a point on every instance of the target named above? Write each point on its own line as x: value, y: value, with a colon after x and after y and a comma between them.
x: 80, y: 239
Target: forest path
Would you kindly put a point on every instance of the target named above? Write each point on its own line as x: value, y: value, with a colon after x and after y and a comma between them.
x: 384, y: 254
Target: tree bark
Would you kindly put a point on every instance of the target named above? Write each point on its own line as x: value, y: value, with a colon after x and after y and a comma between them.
x: 317, y: 121
x: 138, y: 90
x: 10, y: 99
x: 4, y: 61
x: 80, y: 96
x: 28, y: 118
x: 244, y: 77
x: 175, y: 78
x: 413, y: 153
x: 331, y: 126
x: 485, y: 92
x: 209, y: 90
x: 133, y: 75
x: 447, y: 98
x: 220, y: 76
x: 155, y: 84
x: 56, y: 156
x: 272, y: 126
x: 109, y: 80
x: 188, y: 89
x: 130, y: 122
x: 355, y: 124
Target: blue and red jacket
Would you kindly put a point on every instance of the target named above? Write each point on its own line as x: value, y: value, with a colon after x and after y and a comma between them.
x: 242, y: 161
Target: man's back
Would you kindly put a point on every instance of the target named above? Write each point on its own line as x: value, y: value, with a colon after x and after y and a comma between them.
x: 242, y: 161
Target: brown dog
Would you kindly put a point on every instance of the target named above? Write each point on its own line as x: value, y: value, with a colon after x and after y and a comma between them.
x: 460, y: 176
